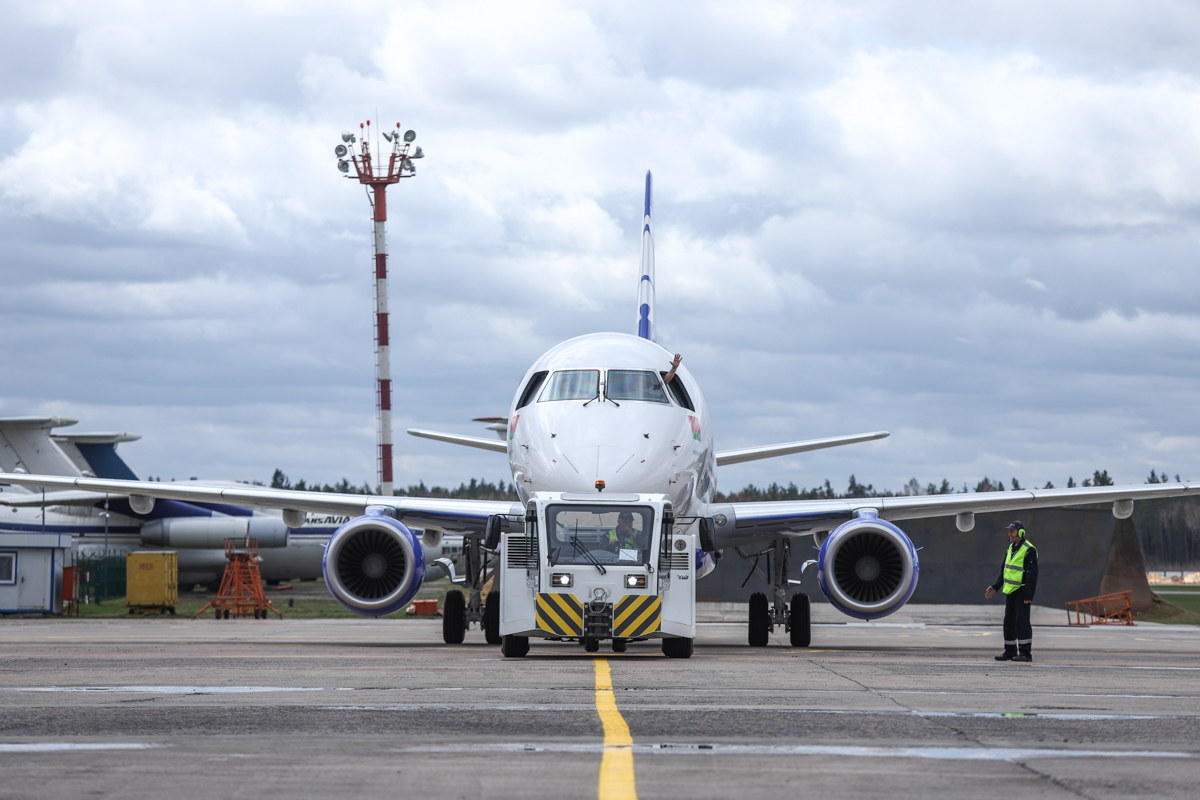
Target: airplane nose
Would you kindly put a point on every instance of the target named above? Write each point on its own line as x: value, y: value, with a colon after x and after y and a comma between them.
x: 611, y: 461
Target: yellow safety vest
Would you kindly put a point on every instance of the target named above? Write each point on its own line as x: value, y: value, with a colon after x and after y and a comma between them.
x: 1014, y: 567
x: 614, y: 537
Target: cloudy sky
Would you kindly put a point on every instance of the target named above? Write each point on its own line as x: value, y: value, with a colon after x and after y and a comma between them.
x: 975, y: 228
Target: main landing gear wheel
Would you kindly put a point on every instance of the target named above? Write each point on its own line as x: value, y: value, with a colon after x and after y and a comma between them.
x: 454, y: 617
x: 760, y: 620
x: 799, y: 624
x: 677, y: 647
x: 514, y: 646
x: 491, y: 618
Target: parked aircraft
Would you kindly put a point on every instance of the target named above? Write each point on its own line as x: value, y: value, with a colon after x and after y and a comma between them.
x: 608, y: 414
x: 105, y: 524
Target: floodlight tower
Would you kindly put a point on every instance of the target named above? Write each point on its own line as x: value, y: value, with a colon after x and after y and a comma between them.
x: 355, y: 150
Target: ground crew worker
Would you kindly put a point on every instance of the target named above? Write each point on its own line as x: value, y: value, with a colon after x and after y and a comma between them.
x: 1018, y: 581
x: 624, y: 536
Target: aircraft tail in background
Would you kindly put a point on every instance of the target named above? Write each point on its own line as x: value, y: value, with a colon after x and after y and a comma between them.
x: 646, y: 282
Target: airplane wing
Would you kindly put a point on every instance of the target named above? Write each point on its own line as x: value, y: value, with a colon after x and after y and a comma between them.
x: 459, y: 516
x: 787, y: 448
x: 469, y: 441
x: 34, y: 499
x: 755, y: 520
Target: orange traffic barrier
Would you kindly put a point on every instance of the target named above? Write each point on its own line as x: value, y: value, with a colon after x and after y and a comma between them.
x: 1106, y: 609
x: 423, y: 608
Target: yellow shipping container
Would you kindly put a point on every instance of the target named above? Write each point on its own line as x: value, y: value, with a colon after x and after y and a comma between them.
x: 152, y: 581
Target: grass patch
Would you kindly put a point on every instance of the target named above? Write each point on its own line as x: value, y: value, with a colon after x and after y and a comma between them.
x: 1174, y: 609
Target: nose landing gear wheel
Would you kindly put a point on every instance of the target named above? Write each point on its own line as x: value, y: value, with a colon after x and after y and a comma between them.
x: 799, y: 625
x: 760, y: 620
x: 491, y: 618
x: 454, y: 617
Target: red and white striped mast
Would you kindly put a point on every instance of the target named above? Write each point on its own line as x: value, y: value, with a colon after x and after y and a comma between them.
x: 355, y: 151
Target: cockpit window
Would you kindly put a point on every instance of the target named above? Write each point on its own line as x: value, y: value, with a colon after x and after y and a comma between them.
x: 634, y: 384
x: 572, y: 384
x: 678, y: 391
x: 535, y: 383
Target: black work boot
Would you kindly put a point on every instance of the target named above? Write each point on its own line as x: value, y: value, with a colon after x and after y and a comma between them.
x: 1024, y: 655
x: 1008, y: 655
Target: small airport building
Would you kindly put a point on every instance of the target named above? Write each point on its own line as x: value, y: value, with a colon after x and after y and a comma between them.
x: 31, y: 572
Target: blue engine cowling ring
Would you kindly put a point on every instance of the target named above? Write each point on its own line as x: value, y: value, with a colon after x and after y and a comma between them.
x: 374, y: 565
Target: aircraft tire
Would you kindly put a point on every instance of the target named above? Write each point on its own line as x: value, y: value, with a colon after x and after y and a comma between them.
x: 677, y: 647
x: 760, y: 620
x: 514, y: 646
x: 454, y: 617
x: 491, y: 618
x: 799, y: 621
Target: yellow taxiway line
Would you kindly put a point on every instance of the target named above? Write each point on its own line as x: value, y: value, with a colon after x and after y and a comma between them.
x: 616, y: 767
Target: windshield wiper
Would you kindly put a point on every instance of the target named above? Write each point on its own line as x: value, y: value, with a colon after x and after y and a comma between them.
x: 583, y: 551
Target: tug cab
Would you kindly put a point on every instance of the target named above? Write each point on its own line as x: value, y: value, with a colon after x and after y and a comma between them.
x: 593, y: 568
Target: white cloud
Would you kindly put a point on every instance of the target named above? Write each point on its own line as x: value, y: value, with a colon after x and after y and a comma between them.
x: 973, y: 228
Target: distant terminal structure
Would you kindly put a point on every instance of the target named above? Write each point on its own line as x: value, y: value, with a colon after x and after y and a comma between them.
x: 377, y: 173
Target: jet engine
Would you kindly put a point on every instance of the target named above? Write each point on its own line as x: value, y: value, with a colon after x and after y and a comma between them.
x: 867, y: 567
x: 374, y: 565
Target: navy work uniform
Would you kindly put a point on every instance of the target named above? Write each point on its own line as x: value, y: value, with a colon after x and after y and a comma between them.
x: 1018, y: 581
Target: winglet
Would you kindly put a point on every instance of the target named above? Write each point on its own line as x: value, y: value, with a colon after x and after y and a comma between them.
x: 646, y: 282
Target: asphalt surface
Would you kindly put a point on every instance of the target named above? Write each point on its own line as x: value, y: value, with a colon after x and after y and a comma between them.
x: 153, y: 707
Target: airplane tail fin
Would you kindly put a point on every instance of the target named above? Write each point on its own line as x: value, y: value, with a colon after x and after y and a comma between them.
x: 646, y: 282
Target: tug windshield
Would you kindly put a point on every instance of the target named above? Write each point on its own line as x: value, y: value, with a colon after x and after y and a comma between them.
x: 579, y: 534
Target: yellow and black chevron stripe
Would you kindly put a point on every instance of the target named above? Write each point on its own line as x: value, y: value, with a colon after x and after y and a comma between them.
x: 560, y: 614
x: 636, y: 615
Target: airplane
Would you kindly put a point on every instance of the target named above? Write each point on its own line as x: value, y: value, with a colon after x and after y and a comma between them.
x: 107, y: 525
x: 616, y: 415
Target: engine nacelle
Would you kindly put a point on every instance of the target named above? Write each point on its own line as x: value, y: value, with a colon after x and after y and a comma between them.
x: 374, y: 565
x: 867, y: 567
x: 211, y: 532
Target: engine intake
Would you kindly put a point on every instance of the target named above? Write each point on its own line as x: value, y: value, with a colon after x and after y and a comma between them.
x: 867, y: 567
x: 374, y: 565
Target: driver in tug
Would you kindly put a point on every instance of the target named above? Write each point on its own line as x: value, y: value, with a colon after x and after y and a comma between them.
x: 624, y: 536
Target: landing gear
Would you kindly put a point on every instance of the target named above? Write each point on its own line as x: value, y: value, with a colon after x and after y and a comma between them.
x: 454, y: 617
x: 760, y: 620
x: 491, y: 618
x: 764, y: 615
x: 514, y: 646
x: 799, y: 624
x: 460, y: 609
x: 677, y: 647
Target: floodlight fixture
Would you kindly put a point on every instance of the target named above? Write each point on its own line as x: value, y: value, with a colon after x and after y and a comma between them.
x: 410, y: 135
x: 387, y: 136
x: 341, y: 151
x: 418, y: 153
x: 344, y: 166
x: 347, y: 136
x: 408, y: 165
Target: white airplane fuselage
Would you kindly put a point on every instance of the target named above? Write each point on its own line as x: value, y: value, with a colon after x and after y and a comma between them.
x: 616, y: 428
